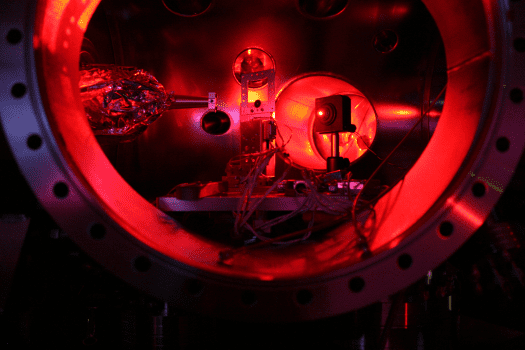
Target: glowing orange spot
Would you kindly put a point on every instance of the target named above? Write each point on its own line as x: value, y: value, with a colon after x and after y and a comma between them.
x: 86, y: 15
x: 254, y: 95
x: 249, y: 51
x: 402, y: 112
x: 395, y: 112
x: 298, y: 112
x: 54, y: 12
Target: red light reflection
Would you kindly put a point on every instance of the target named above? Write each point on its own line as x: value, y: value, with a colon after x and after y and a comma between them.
x: 57, y: 11
x: 465, y: 213
x: 250, y: 61
x: 397, y: 112
x: 295, y: 114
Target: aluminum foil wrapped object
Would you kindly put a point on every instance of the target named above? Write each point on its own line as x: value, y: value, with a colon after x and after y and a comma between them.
x: 120, y: 102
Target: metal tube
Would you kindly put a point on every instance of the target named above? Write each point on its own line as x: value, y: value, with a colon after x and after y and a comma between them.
x: 180, y: 102
x: 335, y: 144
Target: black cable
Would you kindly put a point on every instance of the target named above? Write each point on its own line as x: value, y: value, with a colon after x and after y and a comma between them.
x: 374, y: 173
x: 396, y: 303
x: 375, y: 154
x: 224, y: 255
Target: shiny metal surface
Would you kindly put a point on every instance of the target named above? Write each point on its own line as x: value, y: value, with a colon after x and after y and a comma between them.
x: 230, y: 203
x: 476, y: 144
x: 194, y: 55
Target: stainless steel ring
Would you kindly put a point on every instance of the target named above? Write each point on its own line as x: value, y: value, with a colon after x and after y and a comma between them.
x: 444, y: 198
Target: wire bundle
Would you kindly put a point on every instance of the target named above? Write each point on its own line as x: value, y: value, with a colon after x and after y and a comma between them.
x: 314, y: 200
x: 246, y: 208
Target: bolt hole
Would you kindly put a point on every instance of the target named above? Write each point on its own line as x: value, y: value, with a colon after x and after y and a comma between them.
x: 519, y: 44
x: 404, y: 261
x: 97, y: 231
x: 446, y: 228
x: 356, y: 284
x: 478, y: 189
x: 142, y: 264
x: 300, y: 188
x: 194, y: 287
x: 18, y: 90
x: 503, y: 144
x: 516, y: 95
x: 385, y: 41
x: 61, y: 190
x: 248, y: 298
x: 257, y: 103
x: 187, y: 8
x: 216, y: 123
x: 304, y: 297
x: 322, y: 8
x: 34, y: 142
x: 14, y: 36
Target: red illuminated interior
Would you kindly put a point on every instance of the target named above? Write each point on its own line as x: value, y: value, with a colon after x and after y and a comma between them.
x: 295, y: 118
x: 57, y: 42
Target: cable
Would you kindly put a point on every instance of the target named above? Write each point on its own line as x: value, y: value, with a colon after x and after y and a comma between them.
x: 314, y: 200
x: 229, y: 253
x: 374, y: 153
x: 283, y: 154
x: 325, y: 203
x: 374, y: 173
x: 246, y: 209
x: 394, y: 307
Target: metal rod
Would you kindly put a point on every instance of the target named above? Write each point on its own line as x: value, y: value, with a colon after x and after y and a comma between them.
x: 335, y: 145
x: 180, y: 102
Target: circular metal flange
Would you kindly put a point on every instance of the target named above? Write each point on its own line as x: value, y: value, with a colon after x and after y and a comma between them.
x: 443, y: 199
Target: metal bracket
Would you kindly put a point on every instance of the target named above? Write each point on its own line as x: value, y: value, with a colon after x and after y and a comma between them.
x: 260, y: 108
x: 212, y: 100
